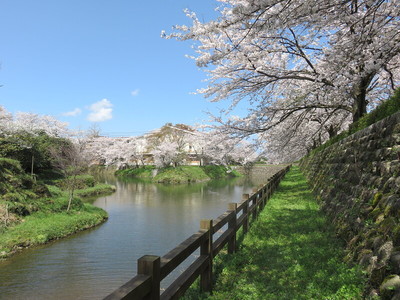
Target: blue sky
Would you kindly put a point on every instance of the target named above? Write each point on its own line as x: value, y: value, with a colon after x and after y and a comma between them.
x: 86, y: 61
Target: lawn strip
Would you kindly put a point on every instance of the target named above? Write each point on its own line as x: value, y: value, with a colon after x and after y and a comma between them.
x: 290, y: 252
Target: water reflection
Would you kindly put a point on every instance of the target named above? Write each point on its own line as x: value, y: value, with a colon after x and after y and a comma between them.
x: 144, y: 218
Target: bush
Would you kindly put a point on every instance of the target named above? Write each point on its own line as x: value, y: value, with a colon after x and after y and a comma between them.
x: 81, y: 182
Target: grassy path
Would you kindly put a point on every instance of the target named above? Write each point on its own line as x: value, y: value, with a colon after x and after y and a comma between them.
x: 290, y: 253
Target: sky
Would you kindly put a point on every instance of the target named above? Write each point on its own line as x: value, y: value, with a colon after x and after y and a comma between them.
x: 102, y: 62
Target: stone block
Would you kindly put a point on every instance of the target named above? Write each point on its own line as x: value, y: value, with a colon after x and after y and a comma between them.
x: 395, y: 261
x: 377, y: 273
x: 365, y: 258
x: 392, y: 206
x: 384, y: 252
x: 390, y: 286
x: 389, y: 185
x: 377, y: 243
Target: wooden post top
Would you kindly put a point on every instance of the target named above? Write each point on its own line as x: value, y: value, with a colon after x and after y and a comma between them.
x: 206, y: 224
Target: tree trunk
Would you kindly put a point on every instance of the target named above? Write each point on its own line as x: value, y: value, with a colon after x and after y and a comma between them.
x: 72, y: 191
x: 32, y: 163
x: 7, y: 216
x: 359, y: 97
x: 332, y: 131
x: 359, y: 106
x: 69, y: 202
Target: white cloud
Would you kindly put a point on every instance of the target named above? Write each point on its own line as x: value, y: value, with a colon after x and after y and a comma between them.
x: 73, y: 113
x: 134, y: 93
x: 101, y: 111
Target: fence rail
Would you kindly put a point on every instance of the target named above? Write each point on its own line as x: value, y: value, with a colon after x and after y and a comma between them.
x: 152, y: 269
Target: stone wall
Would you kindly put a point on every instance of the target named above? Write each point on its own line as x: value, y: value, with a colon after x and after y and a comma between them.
x: 357, y: 182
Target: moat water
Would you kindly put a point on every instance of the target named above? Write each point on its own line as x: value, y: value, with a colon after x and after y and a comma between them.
x: 144, y: 218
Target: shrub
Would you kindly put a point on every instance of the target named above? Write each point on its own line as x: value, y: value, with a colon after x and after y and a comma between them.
x: 81, y: 182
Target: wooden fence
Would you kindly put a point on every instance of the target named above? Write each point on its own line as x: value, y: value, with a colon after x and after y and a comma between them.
x: 152, y: 269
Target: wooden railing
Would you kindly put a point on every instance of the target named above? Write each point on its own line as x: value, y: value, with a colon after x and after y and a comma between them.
x: 151, y: 270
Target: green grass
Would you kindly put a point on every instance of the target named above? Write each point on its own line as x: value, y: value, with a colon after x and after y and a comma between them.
x: 290, y: 252
x: 180, y: 174
x: 98, y: 189
x: 40, y: 228
x: 144, y: 172
x: 217, y: 172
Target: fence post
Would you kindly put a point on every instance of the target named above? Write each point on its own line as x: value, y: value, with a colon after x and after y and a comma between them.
x: 255, y: 203
x: 150, y: 265
x: 263, y: 197
x: 245, y: 198
x: 232, y: 225
x: 269, y: 189
x: 206, y: 249
x: 274, y: 182
x: 265, y: 194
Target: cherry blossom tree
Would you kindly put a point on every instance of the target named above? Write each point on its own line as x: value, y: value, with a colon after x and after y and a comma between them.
x: 169, y: 133
x: 34, y: 124
x: 291, y: 140
x: 245, y: 153
x: 119, y: 152
x: 5, y: 121
x: 138, y: 152
x: 171, y: 145
x: 31, y: 123
x: 290, y: 59
x: 215, y: 147
x: 167, y: 154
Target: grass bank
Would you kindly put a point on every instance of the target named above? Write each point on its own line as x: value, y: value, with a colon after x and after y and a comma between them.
x: 33, y: 213
x: 290, y: 252
x: 180, y: 174
x: 40, y: 228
